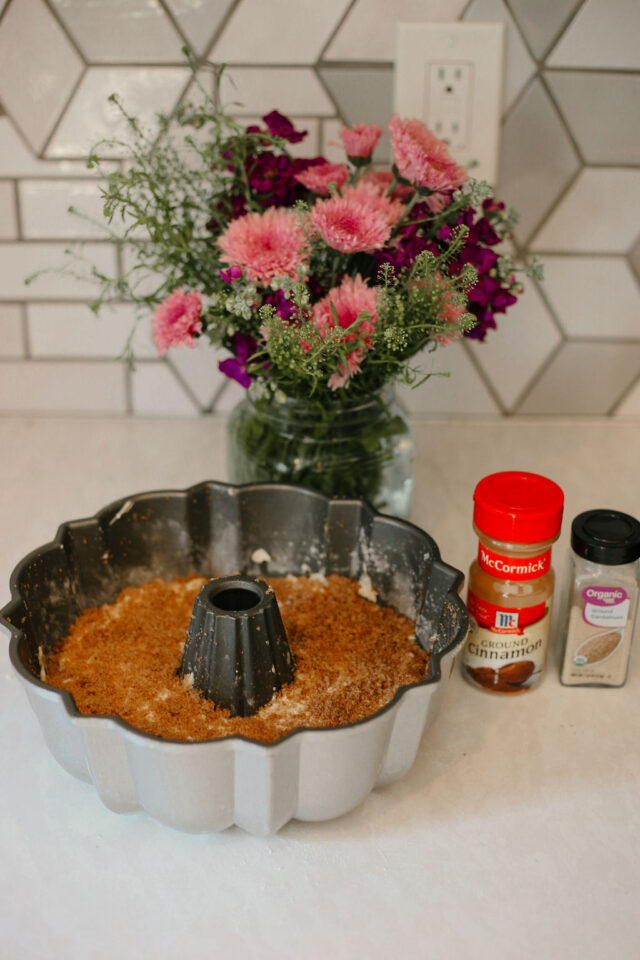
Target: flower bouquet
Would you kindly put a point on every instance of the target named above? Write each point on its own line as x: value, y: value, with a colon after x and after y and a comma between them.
x: 321, y: 280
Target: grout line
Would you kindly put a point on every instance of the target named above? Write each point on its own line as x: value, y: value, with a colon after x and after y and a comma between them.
x: 556, y: 106
x: 70, y: 37
x: 18, y: 211
x: 26, y: 333
x: 215, y: 400
x: 526, y: 242
x: 522, y: 34
x: 333, y: 34
x: 577, y: 254
x: 331, y: 97
x: 218, y: 32
x: 67, y: 104
x: 625, y: 393
x: 491, y: 390
x: 537, y: 376
x: 558, y: 37
x: 518, y: 98
x: 174, y: 23
x: 184, y: 383
x: 622, y: 71
x: 354, y: 65
x: 128, y: 388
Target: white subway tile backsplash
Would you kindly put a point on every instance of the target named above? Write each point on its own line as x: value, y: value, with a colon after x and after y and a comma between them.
x: 20, y: 260
x: 463, y: 392
x: 157, y: 393
x: 513, y: 354
x: 582, y: 223
x: 11, y: 336
x: 44, y: 207
x: 40, y: 68
x: 603, y: 34
x: 198, y: 368
x: 40, y: 387
x: 16, y: 160
x: 112, y: 32
x: 594, y: 296
x: 369, y: 29
x: 143, y: 91
x: 295, y: 91
x: 73, y: 330
x: 8, y: 214
x: 292, y: 32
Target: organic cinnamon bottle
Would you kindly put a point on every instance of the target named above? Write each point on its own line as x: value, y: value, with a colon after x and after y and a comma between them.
x: 517, y: 517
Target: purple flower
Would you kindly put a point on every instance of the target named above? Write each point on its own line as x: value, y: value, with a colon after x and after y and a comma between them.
x: 231, y: 274
x: 281, y: 126
x: 283, y: 306
x: 236, y: 367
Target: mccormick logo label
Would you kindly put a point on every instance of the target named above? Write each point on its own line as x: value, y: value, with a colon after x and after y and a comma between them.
x: 506, y: 620
x: 514, y: 568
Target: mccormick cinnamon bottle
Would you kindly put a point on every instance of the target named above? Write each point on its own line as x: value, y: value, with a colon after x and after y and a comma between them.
x: 517, y: 517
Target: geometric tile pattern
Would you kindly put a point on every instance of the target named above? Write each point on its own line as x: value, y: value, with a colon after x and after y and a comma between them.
x: 569, y: 161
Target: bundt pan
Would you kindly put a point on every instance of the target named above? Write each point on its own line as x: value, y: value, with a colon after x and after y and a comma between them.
x: 309, y: 774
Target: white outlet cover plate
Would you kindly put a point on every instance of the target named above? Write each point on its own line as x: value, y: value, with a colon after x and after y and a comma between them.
x: 479, y: 49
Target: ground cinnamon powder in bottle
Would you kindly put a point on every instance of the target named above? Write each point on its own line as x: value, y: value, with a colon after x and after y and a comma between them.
x: 517, y: 517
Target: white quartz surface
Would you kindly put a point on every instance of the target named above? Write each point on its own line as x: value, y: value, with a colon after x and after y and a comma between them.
x: 515, y: 835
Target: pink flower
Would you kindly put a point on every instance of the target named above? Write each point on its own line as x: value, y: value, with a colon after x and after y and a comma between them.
x: 177, y: 320
x: 381, y: 180
x: 351, y: 224
x: 352, y: 298
x: 422, y: 158
x: 318, y: 178
x: 376, y: 200
x: 360, y: 141
x: 265, y: 245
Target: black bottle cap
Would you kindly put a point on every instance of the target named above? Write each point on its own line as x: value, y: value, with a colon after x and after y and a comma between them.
x: 606, y: 536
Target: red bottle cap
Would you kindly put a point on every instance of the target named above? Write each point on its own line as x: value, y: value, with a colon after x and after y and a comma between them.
x: 518, y: 507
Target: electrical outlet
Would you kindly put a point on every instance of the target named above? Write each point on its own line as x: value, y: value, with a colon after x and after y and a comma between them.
x: 450, y: 76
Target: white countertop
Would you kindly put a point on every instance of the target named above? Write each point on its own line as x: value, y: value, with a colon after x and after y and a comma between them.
x: 515, y: 835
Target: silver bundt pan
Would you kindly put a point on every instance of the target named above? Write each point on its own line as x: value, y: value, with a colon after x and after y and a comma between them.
x: 310, y: 774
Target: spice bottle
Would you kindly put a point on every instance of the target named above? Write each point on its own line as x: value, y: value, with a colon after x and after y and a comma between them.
x: 517, y: 517
x: 604, y: 584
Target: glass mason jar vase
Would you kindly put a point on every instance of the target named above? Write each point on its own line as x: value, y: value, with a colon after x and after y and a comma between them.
x: 358, y: 449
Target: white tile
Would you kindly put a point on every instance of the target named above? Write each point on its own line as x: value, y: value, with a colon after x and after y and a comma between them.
x: 630, y: 406
x: 20, y: 260
x: 593, y: 296
x: 17, y: 160
x: 73, y: 330
x: 309, y: 147
x: 44, y: 209
x: 11, y: 342
x: 603, y: 34
x: 198, y: 368
x: 8, y: 218
x: 463, y: 392
x: 143, y: 91
x: 232, y: 394
x: 369, y: 29
x: 42, y: 387
x: 519, y: 66
x: 295, y: 91
x: 157, y: 393
x: 599, y: 213
x: 332, y: 147
x: 199, y: 19
x: 113, y: 31
x: 584, y: 378
x: 512, y: 354
x: 282, y: 31
x: 39, y: 68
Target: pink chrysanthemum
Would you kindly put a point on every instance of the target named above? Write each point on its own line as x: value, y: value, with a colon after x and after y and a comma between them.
x: 351, y: 224
x: 266, y: 245
x: 381, y: 180
x: 361, y: 140
x: 318, y: 178
x: 368, y: 194
x: 352, y: 298
x: 177, y: 320
x: 422, y: 158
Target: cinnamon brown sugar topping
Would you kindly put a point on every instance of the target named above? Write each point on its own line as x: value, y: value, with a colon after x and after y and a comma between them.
x: 351, y: 656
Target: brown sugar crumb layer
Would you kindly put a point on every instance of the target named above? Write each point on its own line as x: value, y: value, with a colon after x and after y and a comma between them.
x: 351, y: 656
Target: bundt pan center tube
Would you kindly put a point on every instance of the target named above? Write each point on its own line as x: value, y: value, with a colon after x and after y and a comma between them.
x: 253, y: 531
